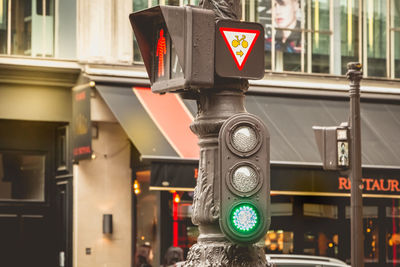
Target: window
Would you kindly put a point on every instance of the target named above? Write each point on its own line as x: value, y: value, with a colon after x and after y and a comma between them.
x: 281, y: 209
x: 374, y: 32
x: 279, y: 241
x: 146, y: 214
x: 321, y: 242
x: 371, y: 232
x: 320, y: 210
x: 3, y: 26
x: 395, y: 38
x: 393, y: 232
x: 27, y: 27
x: 321, y: 36
x: 297, y: 34
x: 346, y: 41
x: 302, y: 35
x: 22, y: 176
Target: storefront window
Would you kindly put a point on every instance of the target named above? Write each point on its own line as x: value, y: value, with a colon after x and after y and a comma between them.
x: 371, y: 232
x: 392, y: 247
x: 320, y: 210
x: 146, y: 214
x: 27, y: 27
x: 281, y: 209
x: 371, y: 243
x: 368, y: 212
x: 184, y: 233
x: 321, y: 243
x: 22, y: 176
x: 375, y: 37
x: 279, y: 241
x: 393, y: 232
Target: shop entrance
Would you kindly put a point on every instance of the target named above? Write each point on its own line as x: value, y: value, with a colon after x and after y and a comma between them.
x: 27, y: 194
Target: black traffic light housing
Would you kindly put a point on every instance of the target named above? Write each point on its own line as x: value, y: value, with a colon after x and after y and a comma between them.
x: 181, y: 57
x: 333, y: 146
x: 245, y: 178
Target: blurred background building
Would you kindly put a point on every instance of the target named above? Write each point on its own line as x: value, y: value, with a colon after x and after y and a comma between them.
x: 83, y: 137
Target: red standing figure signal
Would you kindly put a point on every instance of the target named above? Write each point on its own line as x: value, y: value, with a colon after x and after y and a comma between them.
x: 161, y: 51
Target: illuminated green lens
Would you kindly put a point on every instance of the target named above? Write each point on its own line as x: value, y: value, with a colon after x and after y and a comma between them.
x: 244, y: 218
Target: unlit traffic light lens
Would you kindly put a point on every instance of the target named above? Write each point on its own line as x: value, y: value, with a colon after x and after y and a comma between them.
x: 245, y: 218
x: 244, y: 139
x: 245, y: 179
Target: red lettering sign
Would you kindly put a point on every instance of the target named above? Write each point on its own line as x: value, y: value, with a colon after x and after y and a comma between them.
x: 82, y: 150
x: 344, y: 183
x: 371, y: 185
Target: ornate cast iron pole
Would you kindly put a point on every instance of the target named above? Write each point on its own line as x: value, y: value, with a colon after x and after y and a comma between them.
x: 354, y: 74
x: 214, y: 107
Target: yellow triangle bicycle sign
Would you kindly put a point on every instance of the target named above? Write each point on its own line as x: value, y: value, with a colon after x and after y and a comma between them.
x: 240, y: 43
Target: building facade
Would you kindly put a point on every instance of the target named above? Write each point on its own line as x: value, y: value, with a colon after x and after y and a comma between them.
x: 82, y: 136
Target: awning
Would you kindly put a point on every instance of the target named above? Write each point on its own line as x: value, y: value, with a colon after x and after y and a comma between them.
x: 290, y: 119
x: 158, y: 125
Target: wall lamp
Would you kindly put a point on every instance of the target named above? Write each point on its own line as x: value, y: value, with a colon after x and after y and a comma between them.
x: 107, y: 224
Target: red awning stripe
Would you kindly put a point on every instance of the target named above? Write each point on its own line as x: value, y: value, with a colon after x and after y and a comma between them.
x: 172, y: 118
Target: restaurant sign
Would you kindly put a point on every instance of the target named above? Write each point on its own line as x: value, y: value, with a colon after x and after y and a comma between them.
x: 81, y: 124
x: 372, y: 185
x: 314, y: 181
x: 286, y: 180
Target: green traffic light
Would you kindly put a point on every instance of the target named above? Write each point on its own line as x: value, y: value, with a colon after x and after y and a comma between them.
x: 245, y: 218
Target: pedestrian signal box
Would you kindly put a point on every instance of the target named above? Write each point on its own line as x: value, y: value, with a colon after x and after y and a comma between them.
x: 244, y: 170
x: 333, y: 145
x: 177, y: 46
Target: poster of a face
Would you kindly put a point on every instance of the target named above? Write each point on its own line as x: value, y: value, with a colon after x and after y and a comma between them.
x: 286, y: 22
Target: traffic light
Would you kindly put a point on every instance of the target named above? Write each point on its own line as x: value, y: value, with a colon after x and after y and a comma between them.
x: 333, y: 146
x: 177, y: 46
x: 245, y: 178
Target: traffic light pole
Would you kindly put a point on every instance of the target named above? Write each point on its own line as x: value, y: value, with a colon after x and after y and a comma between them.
x: 213, y: 69
x: 212, y: 248
x: 354, y: 74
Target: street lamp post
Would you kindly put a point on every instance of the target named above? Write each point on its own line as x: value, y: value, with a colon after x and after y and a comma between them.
x: 354, y: 74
